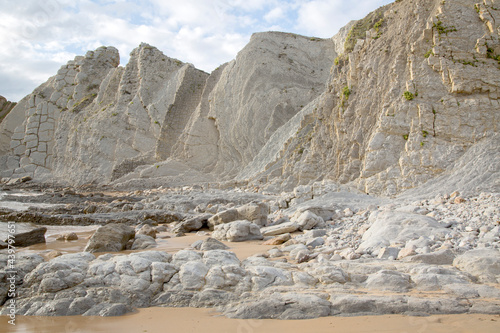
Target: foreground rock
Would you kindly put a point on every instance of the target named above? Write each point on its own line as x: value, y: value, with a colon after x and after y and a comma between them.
x: 35, y: 236
x: 81, y: 284
x: 110, y: 238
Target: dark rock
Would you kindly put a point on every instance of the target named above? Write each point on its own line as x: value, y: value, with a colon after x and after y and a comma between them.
x: 35, y: 236
x: 192, y: 224
x: 110, y: 238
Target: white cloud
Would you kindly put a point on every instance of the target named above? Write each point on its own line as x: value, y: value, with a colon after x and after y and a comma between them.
x: 324, y: 18
x: 275, y: 14
x: 38, y: 36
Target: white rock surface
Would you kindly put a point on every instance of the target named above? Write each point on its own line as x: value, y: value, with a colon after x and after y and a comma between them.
x: 237, y: 231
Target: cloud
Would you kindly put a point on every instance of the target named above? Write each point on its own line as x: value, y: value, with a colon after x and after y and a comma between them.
x: 39, y: 36
x: 324, y: 18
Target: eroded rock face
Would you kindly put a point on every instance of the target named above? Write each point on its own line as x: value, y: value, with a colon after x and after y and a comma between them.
x: 102, y: 121
x: 271, y: 79
x: 400, y: 106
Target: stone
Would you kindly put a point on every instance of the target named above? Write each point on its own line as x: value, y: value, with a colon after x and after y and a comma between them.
x: 80, y: 305
x: 284, y: 228
x: 211, y: 244
x: 315, y: 233
x: 389, y: 253
x: 108, y: 310
x: 369, y: 305
x: 288, y: 306
x: 278, y: 240
x: 192, y: 224
x: 212, y: 298
x: 267, y: 276
x: 220, y: 258
x: 35, y: 236
x: 226, y: 216
x: 254, y: 212
x: 275, y: 253
x: 308, y: 220
x: 192, y: 275
x: 387, y: 227
x: 329, y: 274
x: 143, y: 242
x: 406, y: 252
x: 110, y: 238
x: 147, y: 230
x: 481, y: 263
x: 389, y: 280
x: 70, y: 236
x: 316, y: 242
x: 184, y: 256
x: 237, y: 231
x: 443, y: 257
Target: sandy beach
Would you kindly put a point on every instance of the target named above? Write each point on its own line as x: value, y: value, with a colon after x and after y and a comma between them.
x: 187, y: 320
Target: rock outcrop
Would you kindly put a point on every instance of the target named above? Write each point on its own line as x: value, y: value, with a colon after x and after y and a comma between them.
x: 385, y: 105
x: 5, y: 107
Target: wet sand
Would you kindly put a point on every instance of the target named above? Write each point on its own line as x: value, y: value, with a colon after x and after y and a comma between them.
x: 187, y: 320
x: 242, y: 250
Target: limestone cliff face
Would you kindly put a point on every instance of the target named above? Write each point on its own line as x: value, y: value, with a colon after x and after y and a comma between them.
x: 410, y: 99
x: 97, y: 122
x: 388, y: 103
x: 94, y: 120
x: 249, y: 98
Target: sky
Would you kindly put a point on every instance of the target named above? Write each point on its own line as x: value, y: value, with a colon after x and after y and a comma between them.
x: 37, y: 37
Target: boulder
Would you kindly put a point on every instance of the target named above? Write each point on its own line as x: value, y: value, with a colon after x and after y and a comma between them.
x: 112, y: 237
x: 142, y: 242
x: 318, y: 241
x: 69, y: 236
x: 147, y: 230
x: 329, y: 274
x: 209, y: 244
x: 308, y: 220
x: 278, y: 240
x: 35, y: 236
x: 388, y: 253
x: 400, y: 227
x: 192, y: 224
x: 254, y: 212
x: 443, y: 257
x: 284, y: 228
x: 482, y: 263
x: 389, y: 280
x: 237, y: 231
x: 226, y: 216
